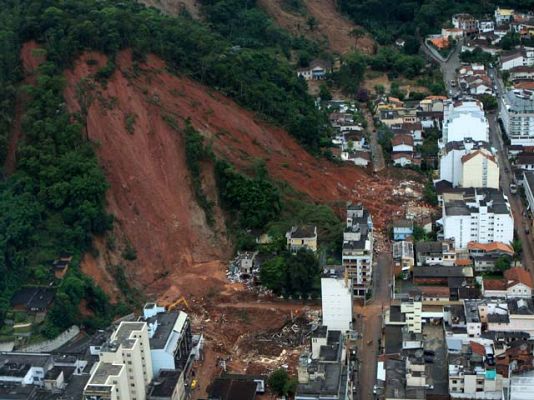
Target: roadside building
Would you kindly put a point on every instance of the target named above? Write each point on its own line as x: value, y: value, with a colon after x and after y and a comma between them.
x: 477, y: 215
x: 524, y: 161
x: 528, y: 185
x: 517, y: 115
x: 503, y: 15
x: 357, y: 252
x: 521, y: 72
x: 485, y: 255
x: 336, y: 298
x: 469, y: 164
x: 440, y: 275
x: 517, y: 282
x: 466, y: 22
x: 462, y: 120
x: 302, y: 237
x: 436, y: 253
x: 486, y: 25
x: 323, y: 372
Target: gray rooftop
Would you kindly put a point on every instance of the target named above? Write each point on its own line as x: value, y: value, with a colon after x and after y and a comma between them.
x: 166, y: 322
x: 520, y: 101
x: 103, y: 371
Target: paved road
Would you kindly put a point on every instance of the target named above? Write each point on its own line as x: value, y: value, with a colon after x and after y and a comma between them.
x: 449, y: 66
x: 515, y: 200
x: 369, y: 324
x: 377, y: 154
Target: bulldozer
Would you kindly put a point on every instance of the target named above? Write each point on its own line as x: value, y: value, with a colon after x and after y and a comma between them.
x: 181, y: 300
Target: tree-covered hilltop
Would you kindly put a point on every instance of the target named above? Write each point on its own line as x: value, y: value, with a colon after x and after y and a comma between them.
x: 54, y: 203
x: 389, y: 19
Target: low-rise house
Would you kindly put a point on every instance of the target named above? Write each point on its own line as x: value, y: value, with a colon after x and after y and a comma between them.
x: 485, y: 255
x: 34, y: 299
x: 486, y: 25
x: 415, y: 130
x: 61, y: 266
x: 430, y: 294
x: 302, y: 237
x: 517, y: 282
x: 358, y: 157
x: 403, y: 159
x: 439, y: 275
x: 402, y: 229
x: 245, y: 262
x: 514, y: 58
x: 317, y: 70
x: 452, y: 33
x: 503, y: 15
x: 402, y: 143
x: 466, y: 22
x: 403, y: 258
x: 436, y: 253
x: 233, y: 387
x: 522, y: 72
x: 525, y: 161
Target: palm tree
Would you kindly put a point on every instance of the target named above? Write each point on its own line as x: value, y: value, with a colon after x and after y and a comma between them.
x: 517, y: 246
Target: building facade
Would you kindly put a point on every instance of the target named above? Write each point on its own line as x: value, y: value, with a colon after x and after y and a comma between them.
x: 517, y: 115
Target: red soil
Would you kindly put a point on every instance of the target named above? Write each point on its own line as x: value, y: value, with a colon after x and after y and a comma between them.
x: 333, y: 28
x: 150, y: 192
x: 31, y: 57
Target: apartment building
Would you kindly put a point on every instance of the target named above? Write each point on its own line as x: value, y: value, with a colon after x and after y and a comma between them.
x: 336, y: 298
x: 357, y: 254
x: 436, y: 253
x: 469, y: 164
x: 477, y: 215
x: 124, y: 369
x: 517, y: 114
x: 462, y: 120
x: 403, y: 258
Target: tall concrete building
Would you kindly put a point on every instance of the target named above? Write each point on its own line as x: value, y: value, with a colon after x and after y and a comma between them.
x: 125, y: 366
x: 336, y: 298
x: 464, y: 120
x: 517, y: 115
x: 357, y: 254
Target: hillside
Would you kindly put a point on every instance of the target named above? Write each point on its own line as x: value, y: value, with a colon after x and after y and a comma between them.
x: 150, y: 194
x: 333, y: 29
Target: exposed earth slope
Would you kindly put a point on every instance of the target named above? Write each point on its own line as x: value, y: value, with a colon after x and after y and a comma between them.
x: 150, y: 192
x: 334, y: 29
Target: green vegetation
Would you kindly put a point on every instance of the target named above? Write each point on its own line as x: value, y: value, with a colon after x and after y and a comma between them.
x: 429, y: 193
x: 292, y: 274
x: 389, y: 19
x: 477, y: 56
x: 503, y: 263
x: 489, y: 101
x: 280, y: 383
x: 195, y: 152
x: 252, y: 201
x: 517, y: 246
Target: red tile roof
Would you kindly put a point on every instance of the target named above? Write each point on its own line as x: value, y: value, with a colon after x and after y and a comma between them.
x: 473, y: 154
x: 402, y: 139
x: 518, y: 275
x: 494, y: 284
x: 488, y: 247
x: 477, y: 348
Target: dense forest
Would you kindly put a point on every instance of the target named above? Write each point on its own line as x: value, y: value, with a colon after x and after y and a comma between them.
x: 389, y: 19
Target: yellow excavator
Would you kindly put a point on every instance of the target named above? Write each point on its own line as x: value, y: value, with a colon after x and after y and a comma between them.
x: 181, y: 300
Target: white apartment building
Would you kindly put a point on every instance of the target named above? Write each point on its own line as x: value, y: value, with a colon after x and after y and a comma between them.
x: 170, y: 338
x: 477, y: 215
x: 462, y: 120
x: 469, y: 164
x: 336, y: 299
x: 125, y: 366
x: 517, y: 115
x: 357, y: 254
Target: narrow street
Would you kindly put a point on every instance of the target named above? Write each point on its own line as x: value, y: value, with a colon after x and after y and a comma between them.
x: 369, y: 324
x: 377, y: 154
x: 520, y: 220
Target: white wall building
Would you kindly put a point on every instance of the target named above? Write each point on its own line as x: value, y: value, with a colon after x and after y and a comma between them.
x: 464, y: 120
x: 125, y: 358
x: 477, y: 215
x: 469, y: 164
x: 336, y: 299
x: 517, y: 115
x: 357, y: 253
